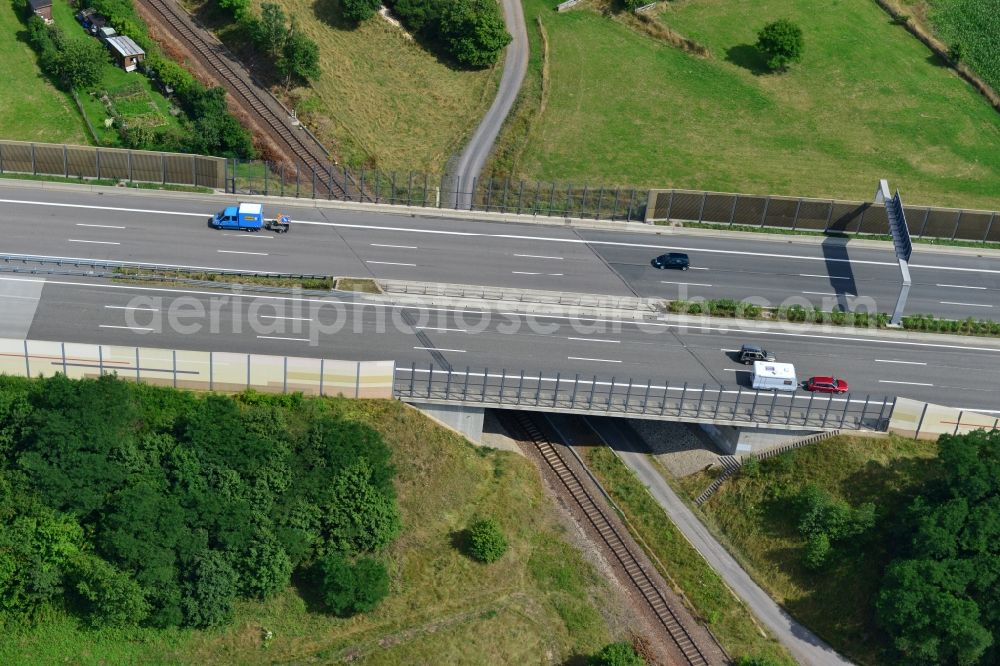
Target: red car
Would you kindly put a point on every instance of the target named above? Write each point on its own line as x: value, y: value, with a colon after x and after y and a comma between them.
x: 826, y: 385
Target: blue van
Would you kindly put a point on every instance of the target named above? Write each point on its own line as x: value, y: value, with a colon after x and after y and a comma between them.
x: 248, y: 217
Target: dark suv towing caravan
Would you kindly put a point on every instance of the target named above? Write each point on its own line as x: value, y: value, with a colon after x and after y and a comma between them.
x: 672, y: 260
x: 750, y: 353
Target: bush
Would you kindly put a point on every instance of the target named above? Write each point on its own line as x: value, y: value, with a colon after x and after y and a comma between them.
x: 210, y: 593
x: 486, y: 542
x: 618, y: 654
x: 359, y: 10
x: 757, y: 660
x: 782, y: 44
x: 352, y: 588
x: 751, y: 467
x: 817, y: 550
x: 109, y: 597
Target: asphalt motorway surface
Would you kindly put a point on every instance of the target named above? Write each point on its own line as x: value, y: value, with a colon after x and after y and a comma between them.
x: 174, y: 230
x: 97, y: 311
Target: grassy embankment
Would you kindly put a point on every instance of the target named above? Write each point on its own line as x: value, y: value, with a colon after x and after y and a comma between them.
x: 867, y: 102
x: 540, y: 600
x: 31, y: 108
x: 756, y: 519
x: 382, y: 100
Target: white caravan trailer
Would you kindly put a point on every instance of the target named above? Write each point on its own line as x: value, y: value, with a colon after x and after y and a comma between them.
x: 774, y: 376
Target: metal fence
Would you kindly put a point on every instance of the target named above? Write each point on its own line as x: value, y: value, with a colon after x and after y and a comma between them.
x: 647, y: 399
x: 112, y: 164
x: 827, y: 215
x: 411, y: 188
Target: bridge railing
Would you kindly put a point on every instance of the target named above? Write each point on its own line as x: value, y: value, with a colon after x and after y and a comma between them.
x: 683, y: 401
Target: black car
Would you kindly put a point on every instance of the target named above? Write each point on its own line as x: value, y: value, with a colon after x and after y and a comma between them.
x: 672, y: 260
x: 750, y: 353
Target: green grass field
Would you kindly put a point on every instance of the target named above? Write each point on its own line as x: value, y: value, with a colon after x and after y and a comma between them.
x: 541, y: 602
x: 382, y: 99
x: 752, y: 516
x: 867, y: 102
x: 32, y: 109
x: 974, y: 24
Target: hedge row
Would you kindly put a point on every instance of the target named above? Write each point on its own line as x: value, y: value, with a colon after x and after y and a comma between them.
x: 727, y: 307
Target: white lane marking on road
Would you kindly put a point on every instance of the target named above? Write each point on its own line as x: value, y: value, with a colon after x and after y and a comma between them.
x: 99, y: 226
x: 274, y: 337
x: 617, y: 342
x: 78, y: 240
x: 131, y: 328
x: 730, y: 370
x: 971, y: 305
x: 729, y: 350
x: 840, y: 337
x: 884, y: 360
x: 697, y: 268
x: 538, y: 256
x: 388, y: 263
x: 26, y: 298
x: 262, y: 254
x: 264, y: 316
x: 127, y: 307
x: 457, y: 351
x: 524, y: 273
x: 825, y: 277
x: 689, y: 284
x: 576, y: 241
x: 438, y: 328
x: 595, y: 360
x: 958, y: 286
x: 820, y: 293
x: 401, y: 247
x: 889, y: 381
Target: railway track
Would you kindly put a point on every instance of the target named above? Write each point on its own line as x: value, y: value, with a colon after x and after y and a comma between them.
x: 640, y: 580
x: 308, y: 152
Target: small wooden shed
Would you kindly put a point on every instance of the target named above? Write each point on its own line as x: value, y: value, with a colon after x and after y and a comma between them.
x: 42, y: 8
x: 126, y: 52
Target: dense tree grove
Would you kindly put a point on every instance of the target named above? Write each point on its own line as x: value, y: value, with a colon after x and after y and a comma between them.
x: 73, y: 64
x: 133, y: 504
x: 940, y: 598
x: 472, y: 32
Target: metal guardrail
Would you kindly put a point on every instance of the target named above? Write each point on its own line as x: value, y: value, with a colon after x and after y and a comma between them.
x: 680, y: 401
x: 107, y: 264
x: 516, y: 295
